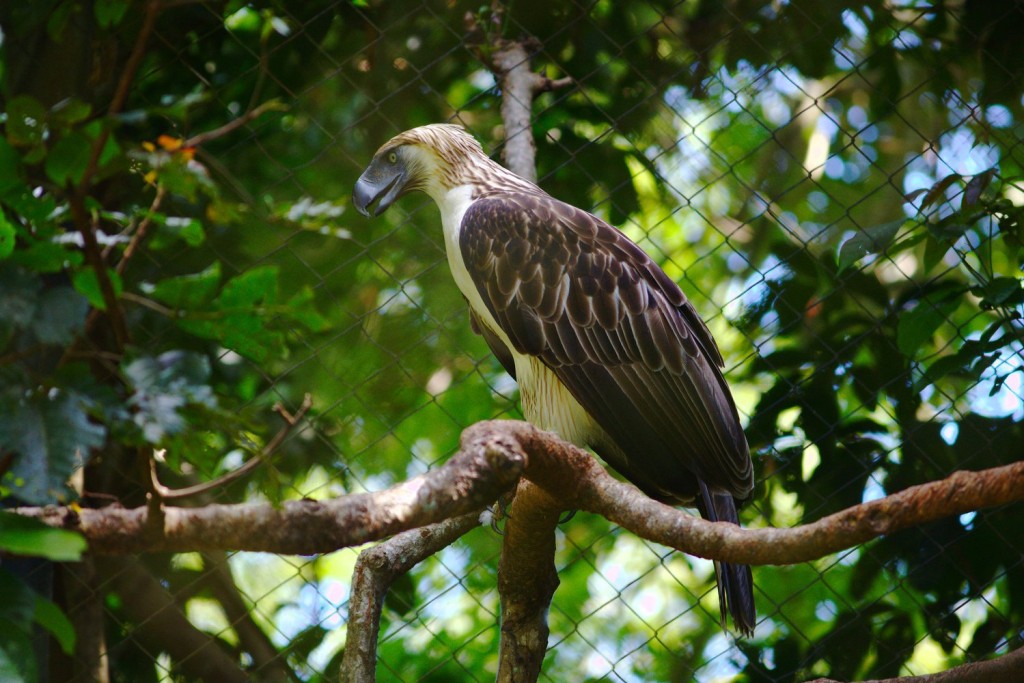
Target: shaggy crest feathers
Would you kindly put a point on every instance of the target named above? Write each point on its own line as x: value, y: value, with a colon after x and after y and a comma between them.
x: 459, y: 157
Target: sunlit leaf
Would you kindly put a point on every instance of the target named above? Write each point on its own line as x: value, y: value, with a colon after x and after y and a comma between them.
x: 87, y: 283
x: 51, y: 618
x: 27, y: 536
x: 187, y: 292
x: 7, y: 233
x: 870, y: 240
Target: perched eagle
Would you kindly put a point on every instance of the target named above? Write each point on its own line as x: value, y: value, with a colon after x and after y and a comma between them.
x: 607, y: 351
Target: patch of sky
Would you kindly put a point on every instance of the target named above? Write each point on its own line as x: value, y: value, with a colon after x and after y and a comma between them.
x: 998, y: 116
x: 1007, y: 399
x: 959, y: 153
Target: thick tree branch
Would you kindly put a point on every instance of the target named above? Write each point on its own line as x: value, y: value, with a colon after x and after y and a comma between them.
x: 519, y: 85
x: 527, y: 580
x: 488, y: 464
x: 492, y: 457
x: 582, y: 483
x: 375, y: 571
x: 1006, y: 669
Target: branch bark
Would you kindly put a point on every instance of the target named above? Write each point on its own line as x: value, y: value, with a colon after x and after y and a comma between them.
x: 375, y: 571
x: 487, y: 465
x: 1006, y: 669
x: 527, y: 580
x: 519, y: 85
x: 492, y: 457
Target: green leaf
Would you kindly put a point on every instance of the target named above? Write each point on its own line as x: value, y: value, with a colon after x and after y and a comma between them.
x: 175, y: 228
x: 20, y: 606
x: 19, y: 291
x: 189, y: 292
x: 938, y: 190
x: 88, y: 285
x: 70, y: 111
x: 51, y: 618
x: 17, y: 610
x: 301, y: 309
x: 1000, y: 291
x: 868, y: 241
x: 920, y: 323
x: 60, y: 314
x: 59, y: 19
x: 50, y: 435
x: 30, y: 537
x: 17, y: 658
x: 47, y: 257
x: 252, y: 287
x: 67, y: 161
x: 934, y: 251
x: 7, y: 234
x: 951, y: 227
x: 26, y: 121
x: 10, y: 166
x: 109, y: 12
x: 977, y: 185
x: 17, y: 602
x: 163, y: 386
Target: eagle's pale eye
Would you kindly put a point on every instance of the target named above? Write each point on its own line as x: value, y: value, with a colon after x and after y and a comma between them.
x: 392, y: 158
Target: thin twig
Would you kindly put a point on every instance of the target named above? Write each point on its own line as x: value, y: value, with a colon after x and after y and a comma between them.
x: 117, y: 102
x: 231, y: 126
x: 165, y: 493
x: 142, y: 229
x: 94, y: 258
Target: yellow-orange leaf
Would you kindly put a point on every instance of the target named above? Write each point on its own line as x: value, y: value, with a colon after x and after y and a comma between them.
x: 171, y: 144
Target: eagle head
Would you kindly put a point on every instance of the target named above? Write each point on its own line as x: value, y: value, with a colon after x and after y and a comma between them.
x: 432, y: 159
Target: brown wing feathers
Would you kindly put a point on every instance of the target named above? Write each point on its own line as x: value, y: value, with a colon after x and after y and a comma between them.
x: 616, y: 330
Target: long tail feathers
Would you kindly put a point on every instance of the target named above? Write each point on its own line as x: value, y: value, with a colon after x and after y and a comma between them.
x: 735, y: 582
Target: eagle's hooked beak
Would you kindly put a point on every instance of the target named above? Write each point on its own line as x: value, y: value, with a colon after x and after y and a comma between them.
x: 380, y: 183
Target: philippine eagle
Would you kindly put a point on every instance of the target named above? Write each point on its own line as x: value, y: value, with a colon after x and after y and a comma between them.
x: 607, y: 350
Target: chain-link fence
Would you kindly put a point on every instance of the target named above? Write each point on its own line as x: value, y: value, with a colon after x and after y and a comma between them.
x: 835, y: 185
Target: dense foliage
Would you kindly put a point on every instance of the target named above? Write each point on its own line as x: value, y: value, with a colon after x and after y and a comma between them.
x: 837, y: 185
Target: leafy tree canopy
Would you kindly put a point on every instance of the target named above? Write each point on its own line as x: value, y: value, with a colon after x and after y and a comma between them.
x: 837, y: 185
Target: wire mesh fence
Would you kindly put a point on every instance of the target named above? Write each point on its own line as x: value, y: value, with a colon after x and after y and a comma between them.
x: 834, y: 185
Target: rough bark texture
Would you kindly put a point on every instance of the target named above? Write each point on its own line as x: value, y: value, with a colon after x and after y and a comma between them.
x: 493, y: 455
x: 375, y: 571
x: 1006, y: 669
x: 482, y: 470
x: 527, y: 580
x: 512, y: 65
x: 519, y: 85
